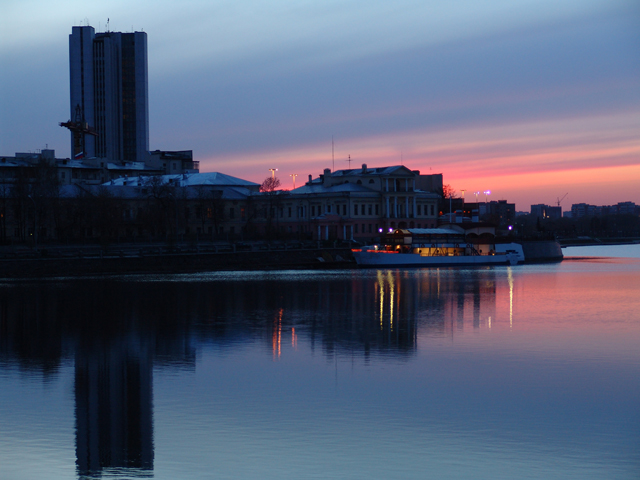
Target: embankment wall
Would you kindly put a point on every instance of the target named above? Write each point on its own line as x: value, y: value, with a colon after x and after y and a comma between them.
x: 541, y: 251
x: 175, y: 263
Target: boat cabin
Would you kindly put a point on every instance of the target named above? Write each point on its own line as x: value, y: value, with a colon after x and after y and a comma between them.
x: 443, y: 241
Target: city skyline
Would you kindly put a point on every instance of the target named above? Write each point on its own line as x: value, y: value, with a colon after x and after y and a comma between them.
x: 530, y: 101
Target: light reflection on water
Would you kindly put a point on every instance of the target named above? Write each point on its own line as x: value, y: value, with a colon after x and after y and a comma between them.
x: 527, y: 372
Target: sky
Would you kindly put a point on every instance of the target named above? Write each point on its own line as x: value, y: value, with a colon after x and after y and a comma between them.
x: 531, y: 100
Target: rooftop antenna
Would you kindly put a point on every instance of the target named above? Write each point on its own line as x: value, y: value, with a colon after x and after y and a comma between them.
x: 107, y: 25
x: 349, y: 160
x: 333, y: 161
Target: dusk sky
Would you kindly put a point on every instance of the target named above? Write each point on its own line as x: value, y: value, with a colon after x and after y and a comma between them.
x: 528, y: 99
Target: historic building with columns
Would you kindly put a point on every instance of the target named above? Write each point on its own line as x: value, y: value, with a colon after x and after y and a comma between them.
x: 359, y: 204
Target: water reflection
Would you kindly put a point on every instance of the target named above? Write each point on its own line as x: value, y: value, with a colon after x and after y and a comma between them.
x: 118, y: 331
x: 114, y: 335
x: 113, y: 405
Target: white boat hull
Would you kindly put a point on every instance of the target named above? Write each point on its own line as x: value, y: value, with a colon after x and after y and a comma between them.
x: 373, y: 259
x: 507, y: 254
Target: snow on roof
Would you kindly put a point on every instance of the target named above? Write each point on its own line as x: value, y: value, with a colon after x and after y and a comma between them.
x: 356, y: 172
x: 212, y: 178
x: 135, y: 191
x: 188, y: 180
x: 319, y: 188
x: 129, y: 166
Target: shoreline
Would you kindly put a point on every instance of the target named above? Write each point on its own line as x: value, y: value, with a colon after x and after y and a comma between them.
x: 169, y: 263
x: 92, y: 260
x: 593, y: 242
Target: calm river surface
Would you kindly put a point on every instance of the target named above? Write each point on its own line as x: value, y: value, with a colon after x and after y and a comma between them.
x: 487, y: 373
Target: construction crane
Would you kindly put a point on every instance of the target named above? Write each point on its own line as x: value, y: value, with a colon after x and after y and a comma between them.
x: 562, y: 198
x: 79, y: 128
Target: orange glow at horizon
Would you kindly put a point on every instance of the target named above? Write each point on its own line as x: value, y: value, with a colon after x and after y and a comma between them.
x: 595, y: 158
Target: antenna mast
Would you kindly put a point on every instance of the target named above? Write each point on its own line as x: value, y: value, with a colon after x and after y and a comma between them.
x: 333, y: 160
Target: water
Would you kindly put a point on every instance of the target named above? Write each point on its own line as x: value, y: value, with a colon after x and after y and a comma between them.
x: 524, y: 372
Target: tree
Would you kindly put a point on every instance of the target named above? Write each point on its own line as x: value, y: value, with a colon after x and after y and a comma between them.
x: 270, y: 184
x: 448, y: 191
x: 269, y: 187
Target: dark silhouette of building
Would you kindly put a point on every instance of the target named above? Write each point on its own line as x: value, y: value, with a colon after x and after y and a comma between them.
x: 114, y: 407
x: 109, y: 94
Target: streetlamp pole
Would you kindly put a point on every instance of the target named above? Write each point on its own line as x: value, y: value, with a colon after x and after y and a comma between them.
x: 273, y: 172
x: 293, y: 175
x: 175, y: 202
x: 486, y: 208
x: 35, y: 223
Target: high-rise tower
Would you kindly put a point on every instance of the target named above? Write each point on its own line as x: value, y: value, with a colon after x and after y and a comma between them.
x: 109, y: 94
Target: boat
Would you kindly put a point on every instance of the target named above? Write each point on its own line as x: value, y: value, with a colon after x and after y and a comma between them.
x: 437, y: 247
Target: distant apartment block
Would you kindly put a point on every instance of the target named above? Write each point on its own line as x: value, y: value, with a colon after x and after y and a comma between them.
x: 499, y: 212
x: 579, y: 210
x: 545, y: 211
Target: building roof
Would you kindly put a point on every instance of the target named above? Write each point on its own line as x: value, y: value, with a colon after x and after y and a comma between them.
x: 141, y: 191
x: 341, y: 188
x: 188, y: 180
x: 356, y: 172
x: 138, y: 166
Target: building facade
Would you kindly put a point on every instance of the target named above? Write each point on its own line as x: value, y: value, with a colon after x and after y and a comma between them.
x: 109, y: 99
x: 545, y: 211
x: 360, y: 204
x: 346, y: 205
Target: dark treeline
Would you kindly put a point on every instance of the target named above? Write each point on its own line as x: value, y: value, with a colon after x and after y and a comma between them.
x: 36, y: 208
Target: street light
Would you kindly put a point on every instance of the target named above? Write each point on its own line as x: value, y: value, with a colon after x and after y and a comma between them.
x: 35, y: 223
x: 293, y: 175
x: 273, y: 172
x: 476, y: 194
x: 175, y: 200
x: 486, y: 192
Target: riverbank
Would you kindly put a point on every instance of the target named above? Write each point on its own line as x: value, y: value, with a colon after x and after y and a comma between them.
x: 144, y: 262
x: 590, y: 241
x: 93, y: 260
